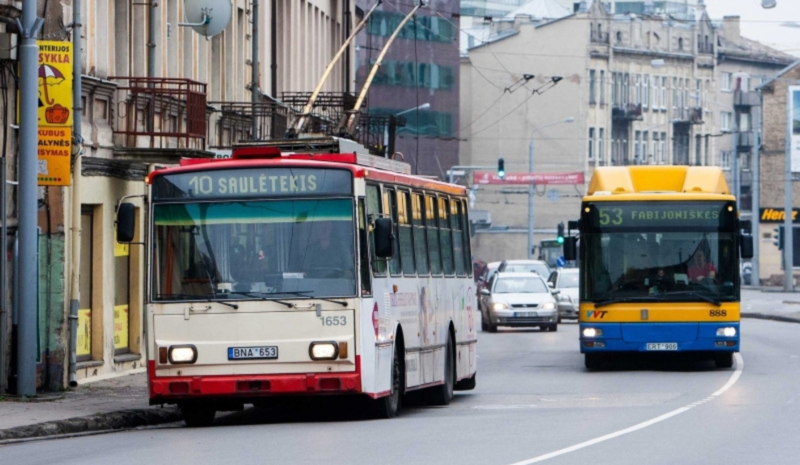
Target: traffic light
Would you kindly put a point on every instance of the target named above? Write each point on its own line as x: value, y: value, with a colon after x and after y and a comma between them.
x: 560, y: 235
x: 777, y: 237
x: 501, y: 168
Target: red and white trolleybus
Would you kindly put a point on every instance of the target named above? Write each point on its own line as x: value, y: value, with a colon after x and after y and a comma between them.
x: 275, y: 274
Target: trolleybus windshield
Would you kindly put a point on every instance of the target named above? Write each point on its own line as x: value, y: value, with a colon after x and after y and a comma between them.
x: 259, y: 249
x: 659, y: 251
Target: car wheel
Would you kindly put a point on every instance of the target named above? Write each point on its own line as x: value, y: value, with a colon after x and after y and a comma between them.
x: 484, y: 326
x: 553, y: 328
x: 492, y: 327
x: 723, y: 360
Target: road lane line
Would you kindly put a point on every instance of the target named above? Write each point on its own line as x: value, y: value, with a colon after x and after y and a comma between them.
x: 731, y: 381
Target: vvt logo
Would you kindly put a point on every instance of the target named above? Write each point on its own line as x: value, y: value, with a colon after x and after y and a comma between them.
x: 596, y: 314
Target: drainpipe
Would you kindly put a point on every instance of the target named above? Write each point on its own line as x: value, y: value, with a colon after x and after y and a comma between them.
x: 77, y: 114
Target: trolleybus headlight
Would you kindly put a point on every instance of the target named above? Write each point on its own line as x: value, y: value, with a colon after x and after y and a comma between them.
x: 592, y: 332
x: 323, y: 351
x: 548, y: 305
x: 499, y: 306
x: 182, y: 354
x: 729, y: 331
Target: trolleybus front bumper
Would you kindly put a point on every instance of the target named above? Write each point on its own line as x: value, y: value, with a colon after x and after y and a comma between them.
x: 659, y: 337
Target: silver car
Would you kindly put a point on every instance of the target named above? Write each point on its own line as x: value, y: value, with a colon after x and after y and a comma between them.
x: 565, y: 280
x: 518, y: 299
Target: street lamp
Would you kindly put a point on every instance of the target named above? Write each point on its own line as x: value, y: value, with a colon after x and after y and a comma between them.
x: 767, y: 4
x: 531, y: 186
x: 424, y: 107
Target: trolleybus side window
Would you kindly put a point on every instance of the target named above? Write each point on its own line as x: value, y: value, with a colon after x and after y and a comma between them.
x: 458, y: 238
x: 467, y: 256
x: 374, y: 211
x: 445, y: 236
x: 363, y: 252
x: 432, y: 230
x: 404, y: 226
x: 420, y: 244
x: 390, y: 204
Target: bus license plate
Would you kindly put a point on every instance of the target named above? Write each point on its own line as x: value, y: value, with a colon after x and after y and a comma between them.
x: 252, y: 353
x: 525, y: 314
x: 662, y: 346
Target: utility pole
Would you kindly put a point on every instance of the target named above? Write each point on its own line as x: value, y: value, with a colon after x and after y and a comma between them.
x: 77, y: 110
x: 788, y: 238
x: 254, y: 79
x: 28, y: 200
x: 755, y: 217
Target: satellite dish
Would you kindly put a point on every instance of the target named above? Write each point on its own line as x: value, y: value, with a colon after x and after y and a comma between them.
x: 208, y: 17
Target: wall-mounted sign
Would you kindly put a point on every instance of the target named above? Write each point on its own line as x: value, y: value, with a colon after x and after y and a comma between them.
x: 775, y: 215
x: 488, y: 177
x: 54, y: 153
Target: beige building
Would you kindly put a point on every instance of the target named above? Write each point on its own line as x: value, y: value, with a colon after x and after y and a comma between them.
x: 194, y: 101
x: 642, y: 90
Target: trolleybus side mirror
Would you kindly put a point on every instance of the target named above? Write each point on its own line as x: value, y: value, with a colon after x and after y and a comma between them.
x: 570, y: 248
x: 384, y: 238
x: 126, y: 222
x: 746, y: 246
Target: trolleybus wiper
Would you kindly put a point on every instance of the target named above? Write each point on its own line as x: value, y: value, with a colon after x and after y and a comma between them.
x: 262, y: 294
x: 697, y: 294
x: 198, y: 297
x: 303, y: 294
x: 603, y: 303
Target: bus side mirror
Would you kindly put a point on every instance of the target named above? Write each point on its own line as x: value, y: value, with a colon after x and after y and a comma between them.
x: 570, y: 248
x: 746, y: 246
x: 384, y: 238
x: 126, y: 223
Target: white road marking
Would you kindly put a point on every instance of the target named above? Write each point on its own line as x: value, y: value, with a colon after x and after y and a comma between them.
x: 731, y: 381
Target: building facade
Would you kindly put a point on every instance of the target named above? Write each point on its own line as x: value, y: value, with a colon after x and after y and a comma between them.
x: 642, y: 89
x: 150, y: 97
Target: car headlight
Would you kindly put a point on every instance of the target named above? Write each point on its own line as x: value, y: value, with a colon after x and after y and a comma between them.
x: 564, y: 298
x: 499, y: 306
x: 548, y: 305
x: 182, y: 354
x: 728, y: 331
x: 323, y: 350
x: 592, y: 332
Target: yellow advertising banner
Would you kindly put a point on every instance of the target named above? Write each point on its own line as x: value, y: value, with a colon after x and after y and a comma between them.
x: 54, y: 150
x: 121, y: 323
x: 55, y: 83
x: 84, y: 332
x: 121, y: 250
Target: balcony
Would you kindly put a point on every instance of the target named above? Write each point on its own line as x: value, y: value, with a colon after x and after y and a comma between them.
x: 160, y: 116
x: 745, y: 141
x: 627, y: 111
x: 599, y: 38
x: 233, y: 122
x: 687, y: 115
x: 746, y: 99
x: 705, y: 48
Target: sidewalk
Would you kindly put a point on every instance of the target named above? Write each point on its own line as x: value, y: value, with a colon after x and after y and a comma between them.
x: 101, y: 405
x: 771, y: 304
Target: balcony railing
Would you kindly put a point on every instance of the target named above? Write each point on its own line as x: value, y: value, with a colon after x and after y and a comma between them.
x: 705, y: 48
x: 599, y: 38
x: 690, y: 115
x: 745, y: 140
x: 160, y: 113
x: 746, y: 99
x: 627, y: 111
x: 232, y: 122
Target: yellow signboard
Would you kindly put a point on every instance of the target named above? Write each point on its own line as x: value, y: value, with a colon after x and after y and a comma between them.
x: 121, y: 250
x: 55, y: 83
x: 84, y: 344
x: 121, y: 322
x: 55, y: 147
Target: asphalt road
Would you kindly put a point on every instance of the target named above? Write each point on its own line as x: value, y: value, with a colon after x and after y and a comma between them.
x: 534, y: 403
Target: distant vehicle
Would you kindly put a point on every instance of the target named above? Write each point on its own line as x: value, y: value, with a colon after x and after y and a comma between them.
x: 518, y: 299
x: 747, y: 273
x: 486, y: 275
x: 525, y: 266
x: 566, y: 281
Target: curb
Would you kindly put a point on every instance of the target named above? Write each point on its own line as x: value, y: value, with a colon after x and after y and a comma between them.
x: 764, y: 316
x: 99, y: 422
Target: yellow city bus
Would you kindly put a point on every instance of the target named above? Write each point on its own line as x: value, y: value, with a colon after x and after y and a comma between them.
x: 659, y: 263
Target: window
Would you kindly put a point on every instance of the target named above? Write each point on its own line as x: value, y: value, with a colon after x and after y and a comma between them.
x: 467, y: 255
x: 727, y: 81
x: 680, y: 43
x: 445, y: 236
x: 390, y: 206
x: 646, y: 91
x: 458, y: 238
x: 645, y: 143
x: 725, y: 120
x: 122, y: 294
x: 655, y: 147
x: 663, y: 147
x: 85, y: 334
x: 591, y: 144
x: 675, y: 92
x: 602, y: 87
x: 656, y: 92
x: 619, y: 37
x: 432, y: 231
x: 743, y: 83
x: 406, y: 238
x: 592, y: 87
x: 614, y: 91
x: 637, y: 147
x: 744, y: 122
x: 663, y: 92
x: 706, y: 107
x: 600, y: 144
x: 725, y: 160
x: 698, y: 93
x: 698, y: 154
x: 626, y: 90
x: 363, y: 252
x: 420, y: 243
x: 374, y: 211
x: 638, y: 85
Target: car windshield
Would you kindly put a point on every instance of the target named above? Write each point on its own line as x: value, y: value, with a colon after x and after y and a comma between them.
x: 252, y: 249
x: 520, y: 285
x: 568, y: 280
x: 538, y: 268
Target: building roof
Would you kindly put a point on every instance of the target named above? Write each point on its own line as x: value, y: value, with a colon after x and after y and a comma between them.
x: 751, y: 50
x: 540, y: 9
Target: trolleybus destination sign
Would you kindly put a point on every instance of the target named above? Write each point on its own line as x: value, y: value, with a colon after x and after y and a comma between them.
x: 661, y: 214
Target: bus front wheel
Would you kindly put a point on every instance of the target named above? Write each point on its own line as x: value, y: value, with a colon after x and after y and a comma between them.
x: 197, y: 416
x: 389, y: 406
x: 724, y: 360
x: 593, y: 361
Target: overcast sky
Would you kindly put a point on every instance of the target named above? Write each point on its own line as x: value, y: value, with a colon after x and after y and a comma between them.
x: 763, y: 25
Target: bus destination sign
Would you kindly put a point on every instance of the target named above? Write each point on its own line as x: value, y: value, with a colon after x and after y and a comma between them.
x: 660, y: 214
x: 250, y: 183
